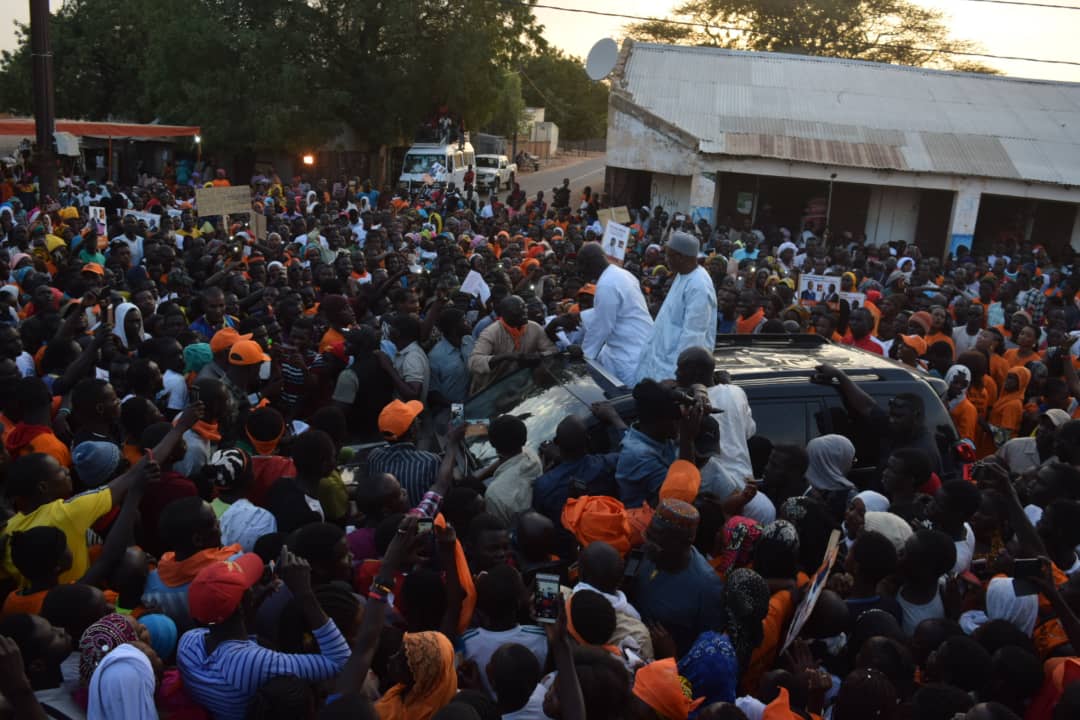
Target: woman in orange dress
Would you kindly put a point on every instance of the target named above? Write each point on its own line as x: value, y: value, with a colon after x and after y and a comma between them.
x: 992, y: 343
x: 1008, y: 412
x: 981, y: 393
x: 961, y: 410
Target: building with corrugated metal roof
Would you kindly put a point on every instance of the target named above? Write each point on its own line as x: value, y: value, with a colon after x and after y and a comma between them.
x: 894, y: 152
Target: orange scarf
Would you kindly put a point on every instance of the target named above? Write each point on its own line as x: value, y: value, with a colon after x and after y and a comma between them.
x: 175, y: 572
x: 516, y: 334
x: 746, y: 326
x: 461, y: 566
x: 577, y: 636
x: 430, y: 657
x: 207, y: 431
x: 660, y: 686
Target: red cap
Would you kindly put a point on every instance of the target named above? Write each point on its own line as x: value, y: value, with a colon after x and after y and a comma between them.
x: 215, y: 593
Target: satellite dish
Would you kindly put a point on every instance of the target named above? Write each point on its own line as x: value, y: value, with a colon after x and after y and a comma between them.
x: 602, y: 59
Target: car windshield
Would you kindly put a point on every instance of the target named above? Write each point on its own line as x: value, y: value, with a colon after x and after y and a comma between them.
x: 487, y: 162
x: 419, y: 164
x: 540, y: 396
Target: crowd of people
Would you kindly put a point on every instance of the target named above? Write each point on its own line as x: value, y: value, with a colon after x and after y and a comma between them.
x: 237, y: 477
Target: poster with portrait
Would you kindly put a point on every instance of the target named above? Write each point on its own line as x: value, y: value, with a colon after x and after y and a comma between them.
x: 814, y: 289
x: 855, y: 300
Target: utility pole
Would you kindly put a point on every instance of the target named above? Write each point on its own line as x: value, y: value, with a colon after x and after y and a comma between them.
x: 44, y: 106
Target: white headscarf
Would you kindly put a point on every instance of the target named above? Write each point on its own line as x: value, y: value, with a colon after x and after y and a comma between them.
x: 950, y: 376
x: 873, y: 501
x: 894, y: 527
x: 118, y: 329
x: 830, y: 462
x: 1002, y: 603
x: 122, y: 687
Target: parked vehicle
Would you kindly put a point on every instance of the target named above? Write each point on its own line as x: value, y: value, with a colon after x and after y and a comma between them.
x: 774, y: 370
x: 493, y: 172
x: 436, y: 164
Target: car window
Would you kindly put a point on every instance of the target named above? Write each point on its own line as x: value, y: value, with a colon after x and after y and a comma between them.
x: 863, y: 435
x: 541, y: 397
x: 784, y: 422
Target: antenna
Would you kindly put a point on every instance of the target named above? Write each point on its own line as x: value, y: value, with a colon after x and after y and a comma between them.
x: 602, y: 59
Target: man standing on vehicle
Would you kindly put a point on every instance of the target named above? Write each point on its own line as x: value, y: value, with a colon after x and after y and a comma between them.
x: 619, y: 323
x: 903, y: 425
x: 730, y: 409
x: 688, y: 316
x: 511, y: 341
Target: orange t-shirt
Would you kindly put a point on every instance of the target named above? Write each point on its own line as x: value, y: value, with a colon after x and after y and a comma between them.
x: 1012, y: 357
x: 781, y: 610
x: 965, y: 418
x: 999, y: 368
x: 50, y: 445
x: 17, y: 603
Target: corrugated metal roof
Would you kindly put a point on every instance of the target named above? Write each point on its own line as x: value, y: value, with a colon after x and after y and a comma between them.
x: 859, y: 114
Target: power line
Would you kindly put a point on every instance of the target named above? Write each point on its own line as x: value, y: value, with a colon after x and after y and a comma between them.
x: 688, y: 23
x: 1028, y: 4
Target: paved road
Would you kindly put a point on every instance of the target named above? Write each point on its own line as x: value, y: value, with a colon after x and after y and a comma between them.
x: 589, y: 171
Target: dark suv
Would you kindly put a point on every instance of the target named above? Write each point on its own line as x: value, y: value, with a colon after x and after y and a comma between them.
x: 774, y: 370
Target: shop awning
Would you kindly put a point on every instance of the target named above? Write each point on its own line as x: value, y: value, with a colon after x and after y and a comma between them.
x: 24, y: 127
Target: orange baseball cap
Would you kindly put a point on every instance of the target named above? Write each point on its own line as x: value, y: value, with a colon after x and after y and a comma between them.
x: 587, y: 289
x: 916, y: 343
x: 397, y: 417
x: 215, y: 593
x: 247, y: 352
x: 94, y: 268
x: 225, y: 339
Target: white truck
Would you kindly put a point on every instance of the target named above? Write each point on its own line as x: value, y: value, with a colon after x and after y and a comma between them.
x: 436, y: 164
x: 493, y: 172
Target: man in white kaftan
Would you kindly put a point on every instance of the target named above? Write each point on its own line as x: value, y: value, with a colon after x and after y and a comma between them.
x: 619, y: 324
x: 688, y: 316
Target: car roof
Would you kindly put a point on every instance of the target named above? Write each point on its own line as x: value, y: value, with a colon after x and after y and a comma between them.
x: 747, y: 358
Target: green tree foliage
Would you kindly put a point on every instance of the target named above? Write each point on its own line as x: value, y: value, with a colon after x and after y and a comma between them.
x: 281, y: 74
x: 888, y: 31
x: 558, y: 83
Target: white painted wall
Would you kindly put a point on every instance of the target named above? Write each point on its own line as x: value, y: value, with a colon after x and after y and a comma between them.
x: 670, y: 191
x: 892, y: 214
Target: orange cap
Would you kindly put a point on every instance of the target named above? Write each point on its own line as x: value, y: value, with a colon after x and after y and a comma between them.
x: 397, y: 417
x: 916, y: 343
x: 587, y: 289
x: 247, y: 352
x: 225, y: 339
x: 94, y: 268
x: 683, y: 482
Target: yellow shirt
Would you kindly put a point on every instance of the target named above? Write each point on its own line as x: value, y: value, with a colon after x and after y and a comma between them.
x: 73, y: 517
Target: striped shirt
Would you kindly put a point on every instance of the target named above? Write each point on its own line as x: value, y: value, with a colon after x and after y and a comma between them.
x: 224, y: 681
x: 416, y: 470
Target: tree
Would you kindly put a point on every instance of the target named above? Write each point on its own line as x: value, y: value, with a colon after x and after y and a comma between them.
x: 558, y: 83
x: 279, y: 74
x: 888, y: 31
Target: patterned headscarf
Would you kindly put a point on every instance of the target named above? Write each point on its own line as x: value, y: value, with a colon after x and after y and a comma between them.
x: 746, y: 597
x: 712, y: 668
x: 740, y: 534
x: 430, y: 657
x: 99, y: 640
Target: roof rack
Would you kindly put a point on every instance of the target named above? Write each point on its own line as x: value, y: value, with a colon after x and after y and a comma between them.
x: 772, y: 340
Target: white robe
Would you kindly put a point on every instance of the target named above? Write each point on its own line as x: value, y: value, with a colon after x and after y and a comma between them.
x: 737, y: 425
x: 619, y: 325
x: 686, y: 319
